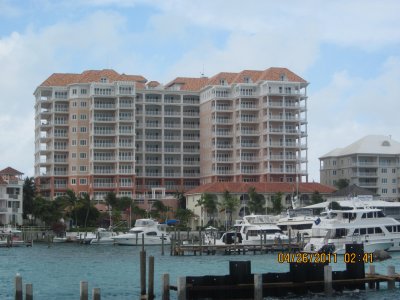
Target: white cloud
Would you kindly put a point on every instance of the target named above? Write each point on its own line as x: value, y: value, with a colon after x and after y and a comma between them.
x: 350, y: 108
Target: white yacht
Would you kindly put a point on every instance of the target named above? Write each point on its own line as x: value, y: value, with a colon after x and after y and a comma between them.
x: 296, y: 225
x: 252, y: 228
x: 147, y: 230
x: 359, y: 223
x: 103, y: 237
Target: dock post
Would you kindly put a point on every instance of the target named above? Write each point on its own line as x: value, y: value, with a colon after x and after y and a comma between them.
x: 165, y: 283
x: 181, y: 285
x: 391, y: 272
x: 371, y: 284
x: 162, y: 244
x: 258, y: 291
x: 328, y: 280
x: 83, y: 293
x: 96, y: 294
x: 29, y: 291
x: 201, y: 243
x: 150, y: 295
x: 18, y: 287
x: 142, y: 273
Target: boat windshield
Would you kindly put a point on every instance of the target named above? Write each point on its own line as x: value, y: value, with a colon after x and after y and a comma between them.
x: 135, y: 231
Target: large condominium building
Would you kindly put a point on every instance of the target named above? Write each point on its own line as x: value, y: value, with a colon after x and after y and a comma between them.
x: 101, y: 131
x: 371, y: 162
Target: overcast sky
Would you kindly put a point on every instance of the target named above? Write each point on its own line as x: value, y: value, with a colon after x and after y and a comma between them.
x: 349, y: 52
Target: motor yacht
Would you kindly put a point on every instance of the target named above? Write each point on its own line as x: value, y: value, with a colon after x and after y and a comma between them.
x: 146, y: 231
x: 359, y: 223
x: 254, y: 228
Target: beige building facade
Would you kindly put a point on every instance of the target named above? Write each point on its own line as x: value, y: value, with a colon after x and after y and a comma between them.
x: 102, y: 131
x: 372, y: 163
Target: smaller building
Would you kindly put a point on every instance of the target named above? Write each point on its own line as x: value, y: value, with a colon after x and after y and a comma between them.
x: 371, y: 163
x: 240, y: 190
x: 11, y: 196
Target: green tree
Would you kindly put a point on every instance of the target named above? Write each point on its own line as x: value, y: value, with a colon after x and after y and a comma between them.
x: 342, y: 183
x: 316, y: 198
x: 111, y: 200
x: 229, y: 205
x: 208, y: 204
x: 45, y: 210
x: 277, y: 203
x: 334, y: 205
x: 256, y: 202
x: 159, y: 210
x: 70, y: 203
x: 184, y: 215
x: 180, y: 196
x: 29, y: 191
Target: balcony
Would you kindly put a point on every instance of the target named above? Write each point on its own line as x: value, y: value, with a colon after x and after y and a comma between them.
x: 99, y: 105
x: 103, y: 184
x: 222, y: 121
x: 172, y: 150
x: 222, y: 108
x: 191, y: 114
x: 104, y: 119
x: 104, y: 145
x: 104, y: 132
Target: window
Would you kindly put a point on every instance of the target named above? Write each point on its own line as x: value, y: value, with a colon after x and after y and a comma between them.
x: 82, y: 142
x: 82, y: 155
x: 83, y: 117
x: 394, y: 180
x: 73, y: 117
x: 73, y: 168
x: 394, y: 171
x: 103, y: 79
x: 73, y: 142
x: 74, y: 92
x: 73, y: 181
x: 384, y: 191
x: 73, y: 129
x: 82, y: 181
x: 83, y: 103
x: 83, y: 129
x: 74, y: 104
x: 83, y: 91
x: 384, y: 180
x: 73, y: 155
x: 393, y: 191
x: 384, y: 170
x: 82, y: 168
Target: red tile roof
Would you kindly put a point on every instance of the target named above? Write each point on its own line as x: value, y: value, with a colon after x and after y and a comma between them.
x: 253, y: 75
x: 10, y: 171
x: 189, y: 83
x: 153, y: 83
x: 64, y: 79
x: 261, y: 187
x: 227, y: 76
x: 274, y: 74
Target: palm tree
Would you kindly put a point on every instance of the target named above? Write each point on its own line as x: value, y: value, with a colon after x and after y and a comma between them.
x: 256, y: 202
x: 229, y: 204
x: 72, y: 201
x: 277, y: 203
x: 184, y: 215
x: 208, y: 203
x: 86, y: 202
x: 159, y: 209
x: 180, y: 196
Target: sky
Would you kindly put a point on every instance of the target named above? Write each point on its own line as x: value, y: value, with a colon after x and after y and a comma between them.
x: 348, y: 51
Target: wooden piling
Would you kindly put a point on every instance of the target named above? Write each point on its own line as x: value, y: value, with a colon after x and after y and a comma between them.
x: 96, y: 294
x: 18, y: 287
x: 150, y: 293
x: 165, y: 291
x: 84, y: 294
x: 391, y: 272
x: 142, y: 273
x: 371, y: 284
x: 258, y: 291
x: 328, y: 280
x: 181, y: 286
x: 29, y: 291
x: 162, y: 244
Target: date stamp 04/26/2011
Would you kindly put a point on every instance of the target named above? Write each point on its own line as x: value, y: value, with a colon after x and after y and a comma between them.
x: 305, y: 257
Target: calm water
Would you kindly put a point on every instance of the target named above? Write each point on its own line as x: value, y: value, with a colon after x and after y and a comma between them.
x: 56, y: 272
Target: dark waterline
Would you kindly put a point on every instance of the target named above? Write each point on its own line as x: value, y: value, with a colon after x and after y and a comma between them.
x: 56, y: 271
